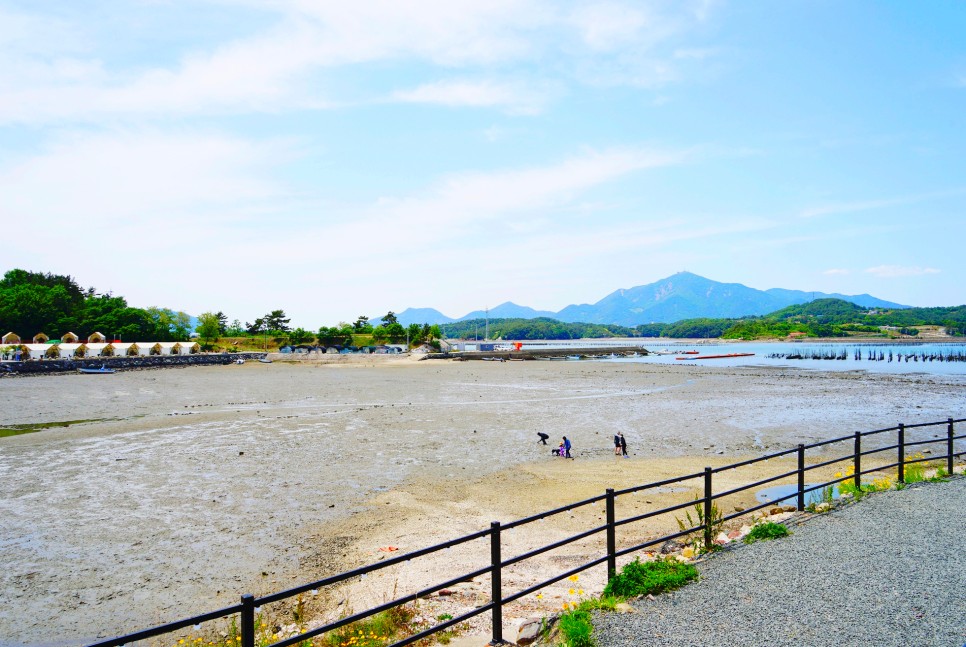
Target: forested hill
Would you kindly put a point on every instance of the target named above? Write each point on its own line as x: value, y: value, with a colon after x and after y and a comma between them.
x: 819, y: 318
x: 539, y: 328
x: 31, y: 302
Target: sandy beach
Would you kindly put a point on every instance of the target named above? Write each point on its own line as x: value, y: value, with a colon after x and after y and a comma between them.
x: 184, y: 488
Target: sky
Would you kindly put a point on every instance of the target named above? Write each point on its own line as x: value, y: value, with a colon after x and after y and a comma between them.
x: 336, y: 159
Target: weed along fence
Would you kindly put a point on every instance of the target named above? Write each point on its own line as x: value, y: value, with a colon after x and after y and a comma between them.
x: 612, y: 527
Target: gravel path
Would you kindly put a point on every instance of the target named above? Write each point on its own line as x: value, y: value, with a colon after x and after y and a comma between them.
x: 890, y: 570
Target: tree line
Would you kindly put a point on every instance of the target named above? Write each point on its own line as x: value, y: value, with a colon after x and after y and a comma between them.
x: 819, y: 318
x: 33, y: 302
x: 527, y: 329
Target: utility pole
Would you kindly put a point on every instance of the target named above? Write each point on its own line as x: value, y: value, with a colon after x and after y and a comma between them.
x: 486, y: 331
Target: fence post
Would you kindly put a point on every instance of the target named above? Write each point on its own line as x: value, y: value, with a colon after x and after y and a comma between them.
x: 496, y: 583
x: 708, y: 503
x: 611, y: 535
x: 902, y: 453
x: 857, y: 461
x: 248, y: 620
x: 801, y: 477
x: 950, y: 446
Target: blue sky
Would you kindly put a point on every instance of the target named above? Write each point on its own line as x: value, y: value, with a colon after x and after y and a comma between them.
x: 336, y: 159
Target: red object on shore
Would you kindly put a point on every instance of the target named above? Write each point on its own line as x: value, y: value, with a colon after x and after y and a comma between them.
x: 689, y: 352
x: 718, y: 356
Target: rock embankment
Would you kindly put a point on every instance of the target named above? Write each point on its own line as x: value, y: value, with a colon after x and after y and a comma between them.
x: 123, y: 363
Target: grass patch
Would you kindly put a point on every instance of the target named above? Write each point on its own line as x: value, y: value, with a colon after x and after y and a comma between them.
x: 766, y: 532
x: 643, y: 578
x: 576, y: 628
x: 371, y: 632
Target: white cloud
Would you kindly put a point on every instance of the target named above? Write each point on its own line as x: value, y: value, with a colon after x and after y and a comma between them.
x: 281, y: 67
x: 108, y: 181
x: 515, y: 98
x: 897, y: 271
x: 466, y: 210
x: 868, y: 205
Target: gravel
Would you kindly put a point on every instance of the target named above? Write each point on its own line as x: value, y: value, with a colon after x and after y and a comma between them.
x: 889, y: 570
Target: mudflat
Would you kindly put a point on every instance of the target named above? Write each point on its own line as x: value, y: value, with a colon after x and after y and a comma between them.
x: 184, y: 488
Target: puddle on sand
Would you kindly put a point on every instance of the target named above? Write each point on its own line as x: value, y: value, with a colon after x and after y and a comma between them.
x: 788, y: 494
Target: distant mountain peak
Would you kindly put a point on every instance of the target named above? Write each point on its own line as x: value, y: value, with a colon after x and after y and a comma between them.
x: 683, y: 295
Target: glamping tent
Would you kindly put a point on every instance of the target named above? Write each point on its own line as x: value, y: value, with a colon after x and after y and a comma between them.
x: 125, y: 349
x: 167, y: 347
x: 177, y: 347
x: 70, y: 338
x: 100, y: 350
x: 11, y: 338
x: 41, y: 351
x: 41, y: 338
x: 96, y: 338
x: 68, y: 351
x: 146, y: 348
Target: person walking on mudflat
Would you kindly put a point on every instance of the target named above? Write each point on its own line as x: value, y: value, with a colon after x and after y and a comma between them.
x: 623, y: 444
x: 617, y: 445
x: 543, y: 437
x: 567, y: 447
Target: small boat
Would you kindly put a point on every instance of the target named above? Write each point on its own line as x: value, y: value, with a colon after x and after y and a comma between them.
x: 689, y: 352
x: 264, y: 360
x: 103, y: 370
x: 717, y: 356
x: 239, y: 361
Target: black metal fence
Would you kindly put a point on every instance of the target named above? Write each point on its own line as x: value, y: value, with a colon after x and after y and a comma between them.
x: 245, y: 610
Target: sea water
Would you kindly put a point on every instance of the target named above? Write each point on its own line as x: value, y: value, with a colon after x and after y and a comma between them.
x: 907, y: 357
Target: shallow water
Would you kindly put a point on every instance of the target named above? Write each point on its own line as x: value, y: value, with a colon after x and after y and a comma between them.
x: 762, y: 350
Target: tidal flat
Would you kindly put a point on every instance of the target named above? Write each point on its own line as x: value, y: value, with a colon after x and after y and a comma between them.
x: 181, y: 489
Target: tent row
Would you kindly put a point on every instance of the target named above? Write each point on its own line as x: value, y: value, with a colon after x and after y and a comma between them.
x: 115, y: 349
x: 12, y: 338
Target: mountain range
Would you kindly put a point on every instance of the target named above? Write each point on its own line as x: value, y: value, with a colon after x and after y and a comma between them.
x: 681, y: 296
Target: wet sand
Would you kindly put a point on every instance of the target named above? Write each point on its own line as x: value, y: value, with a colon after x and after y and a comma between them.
x: 195, y: 485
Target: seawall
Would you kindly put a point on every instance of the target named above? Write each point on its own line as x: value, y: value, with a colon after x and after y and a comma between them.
x: 123, y: 363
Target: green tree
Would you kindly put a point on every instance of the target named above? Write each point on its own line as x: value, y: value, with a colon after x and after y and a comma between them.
x: 277, y: 321
x: 389, y: 319
x: 299, y: 336
x: 416, y: 335
x: 181, y: 326
x: 380, y: 335
x: 208, y: 327
x: 222, y: 322
x: 395, y: 332
x: 335, y: 336
x: 362, y: 325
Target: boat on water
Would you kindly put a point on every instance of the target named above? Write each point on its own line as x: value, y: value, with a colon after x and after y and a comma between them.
x: 717, y: 356
x: 102, y: 370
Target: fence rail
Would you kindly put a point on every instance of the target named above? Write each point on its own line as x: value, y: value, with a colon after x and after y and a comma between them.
x: 247, y: 608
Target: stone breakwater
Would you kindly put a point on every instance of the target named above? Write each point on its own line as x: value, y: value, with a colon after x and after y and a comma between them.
x: 123, y: 363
